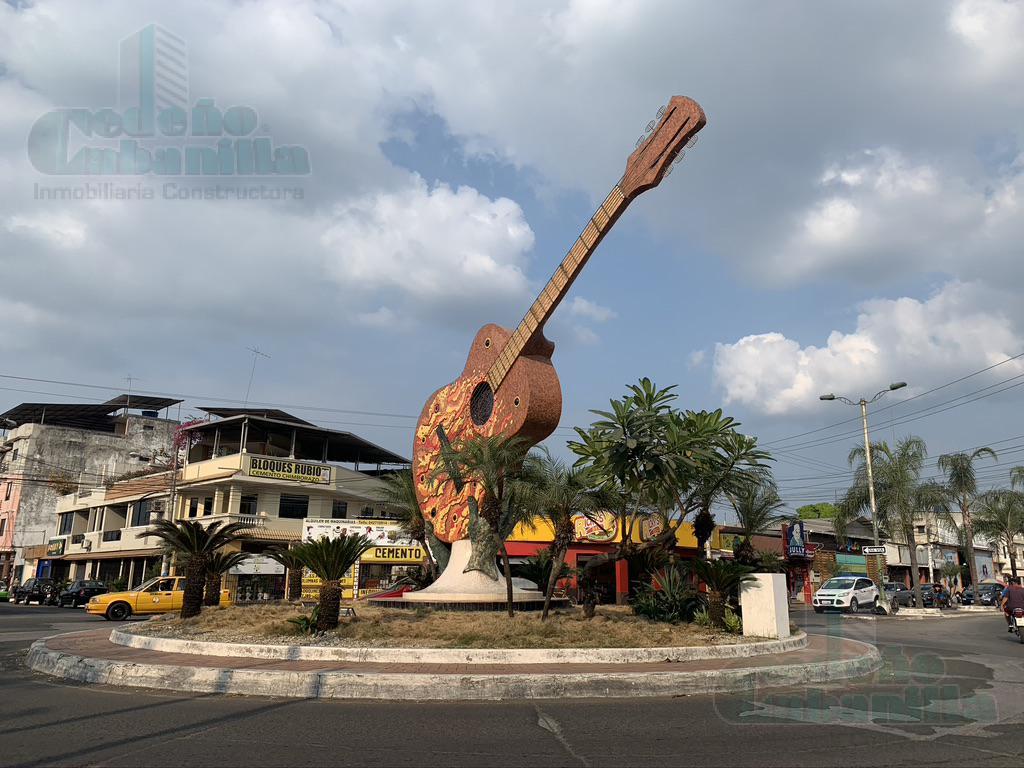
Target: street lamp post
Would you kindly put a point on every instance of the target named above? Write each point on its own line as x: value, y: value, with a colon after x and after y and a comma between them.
x: 863, y: 403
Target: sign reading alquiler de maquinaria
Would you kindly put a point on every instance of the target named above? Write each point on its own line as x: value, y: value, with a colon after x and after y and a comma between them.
x: 289, y: 469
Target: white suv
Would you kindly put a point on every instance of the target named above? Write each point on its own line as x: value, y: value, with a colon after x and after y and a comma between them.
x: 847, y: 593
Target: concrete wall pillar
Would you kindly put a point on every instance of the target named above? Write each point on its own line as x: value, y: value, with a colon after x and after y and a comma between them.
x: 621, y: 582
x: 765, y: 606
x: 218, y: 501
x: 234, y: 500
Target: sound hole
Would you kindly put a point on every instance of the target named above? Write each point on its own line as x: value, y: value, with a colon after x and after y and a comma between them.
x: 481, y: 404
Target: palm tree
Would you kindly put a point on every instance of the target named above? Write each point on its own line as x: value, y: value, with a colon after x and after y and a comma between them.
x: 722, y: 578
x: 400, y: 496
x: 331, y: 559
x: 757, y: 504
x: 1000, y: 518
x: 900, y: 495
x: 962, y: 484
x: 219, y: 563
x: 293, y: 566
x: 495, y: 464
x: 193, y: 543
x: 558, y: 494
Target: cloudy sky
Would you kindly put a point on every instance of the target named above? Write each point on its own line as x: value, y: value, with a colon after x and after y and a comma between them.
x: 850, y: 216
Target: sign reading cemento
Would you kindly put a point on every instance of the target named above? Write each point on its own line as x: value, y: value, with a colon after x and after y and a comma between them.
x: 393, y: 555
x: 288, y: 469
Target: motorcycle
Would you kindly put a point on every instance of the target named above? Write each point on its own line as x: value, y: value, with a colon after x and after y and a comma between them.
x: 1017, y: 623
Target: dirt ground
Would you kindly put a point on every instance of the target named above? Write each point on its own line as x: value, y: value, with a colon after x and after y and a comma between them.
x: 613, y: 627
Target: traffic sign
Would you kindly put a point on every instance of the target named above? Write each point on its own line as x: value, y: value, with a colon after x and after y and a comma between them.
x: 873, y: 550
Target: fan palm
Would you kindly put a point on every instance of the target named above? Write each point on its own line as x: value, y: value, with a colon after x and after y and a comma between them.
x: 558, y: 494
x: 722, y: 578
x: 293, y: 566
x: 962, y: 484
x: 193, y: 543
x: 900, y: 496
x: 217, y: 565
x: 757, y: 506
x: 495, y: 464
x: 330, y: 559
x: 400, y: 496
x: 1000, y: 518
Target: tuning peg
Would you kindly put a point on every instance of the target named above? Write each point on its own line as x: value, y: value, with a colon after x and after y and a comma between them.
x: 668, y: 169
x: 680, y: 156
x: 650, y: 126
x: 661, y: 110
x: 692, y: 142
x: 640, y: 141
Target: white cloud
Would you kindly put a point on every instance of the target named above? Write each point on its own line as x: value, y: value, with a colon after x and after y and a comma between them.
x: 953, y: 331
x: 993, y: 29
x: 880, y: 214
x: 696, y: 359
x: 438, y: 248
x: 590, y: 310
x: 59, y: 229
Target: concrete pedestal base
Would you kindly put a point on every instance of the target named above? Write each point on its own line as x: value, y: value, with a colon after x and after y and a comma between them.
x: 456, y: 585
x: 765, y: 606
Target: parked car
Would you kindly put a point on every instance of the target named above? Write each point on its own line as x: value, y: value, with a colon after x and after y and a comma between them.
x: 986, y: 594
x: 899, y: 592
x: 162, y: 594
x: 78, y: 593
x: 847, y: 593
x: 36, y: 591
x: 4, y: 594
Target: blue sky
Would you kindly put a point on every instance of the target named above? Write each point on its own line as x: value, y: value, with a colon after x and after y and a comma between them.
x: 851, y: 214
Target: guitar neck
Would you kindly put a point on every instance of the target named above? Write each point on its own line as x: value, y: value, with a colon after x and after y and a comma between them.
x: 558, y: 286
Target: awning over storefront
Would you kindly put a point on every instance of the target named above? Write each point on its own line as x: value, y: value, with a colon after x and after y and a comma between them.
x: 269, y: 534
x: 124, y: 553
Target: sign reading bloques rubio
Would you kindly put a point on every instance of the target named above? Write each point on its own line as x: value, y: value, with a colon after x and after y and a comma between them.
x: 288, y: 469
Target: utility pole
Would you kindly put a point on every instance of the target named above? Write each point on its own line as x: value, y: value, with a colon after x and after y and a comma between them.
x: 863, y: 403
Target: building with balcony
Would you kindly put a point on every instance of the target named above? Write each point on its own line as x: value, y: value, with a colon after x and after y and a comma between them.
x: 52, y: 449
x: 268, y: 469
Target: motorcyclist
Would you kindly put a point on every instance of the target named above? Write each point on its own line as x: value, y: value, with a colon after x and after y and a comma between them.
x: 1012, y: 597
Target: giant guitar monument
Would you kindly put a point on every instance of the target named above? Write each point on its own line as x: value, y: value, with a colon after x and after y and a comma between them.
x: 509, y: 385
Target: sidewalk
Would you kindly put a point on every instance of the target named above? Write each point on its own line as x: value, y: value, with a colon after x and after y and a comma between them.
x: 91, y: 657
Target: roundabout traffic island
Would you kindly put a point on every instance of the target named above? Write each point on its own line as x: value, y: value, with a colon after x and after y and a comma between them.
x: 168, y: 655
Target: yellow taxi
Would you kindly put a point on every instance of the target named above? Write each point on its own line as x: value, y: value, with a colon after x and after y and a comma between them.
x: 162, y: 594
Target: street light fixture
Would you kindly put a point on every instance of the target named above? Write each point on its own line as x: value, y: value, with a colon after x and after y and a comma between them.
x: 863, y: 403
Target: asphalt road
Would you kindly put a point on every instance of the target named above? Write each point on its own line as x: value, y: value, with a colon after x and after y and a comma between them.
x: 951, y: 693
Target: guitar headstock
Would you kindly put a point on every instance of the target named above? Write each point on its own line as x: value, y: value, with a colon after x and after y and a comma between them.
x: 677, y: 125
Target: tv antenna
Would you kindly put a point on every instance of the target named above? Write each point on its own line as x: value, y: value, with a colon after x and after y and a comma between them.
x: 256, y: 354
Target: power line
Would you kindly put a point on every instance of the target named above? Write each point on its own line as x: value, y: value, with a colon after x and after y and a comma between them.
x: 901, y: 402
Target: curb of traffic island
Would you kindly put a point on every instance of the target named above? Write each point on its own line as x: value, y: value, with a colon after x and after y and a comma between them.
x: 912, y: 614
x: 460, y: 655
x: 446, y: 687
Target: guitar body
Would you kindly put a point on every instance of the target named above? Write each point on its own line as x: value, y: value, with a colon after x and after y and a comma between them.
x: 528, y: 404
x: 526, y: 399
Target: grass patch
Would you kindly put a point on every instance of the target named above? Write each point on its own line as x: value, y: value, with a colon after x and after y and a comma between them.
x: 613, y: 627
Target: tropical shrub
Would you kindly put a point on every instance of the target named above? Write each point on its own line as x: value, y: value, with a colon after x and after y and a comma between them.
x: 723, y: 579
x: 670, y: 597
x: 306, y: 625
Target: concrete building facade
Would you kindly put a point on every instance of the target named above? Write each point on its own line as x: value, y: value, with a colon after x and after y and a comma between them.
x: 52, y: 449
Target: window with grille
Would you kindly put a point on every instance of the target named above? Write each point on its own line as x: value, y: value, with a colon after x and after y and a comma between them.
x: 339, y: 509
